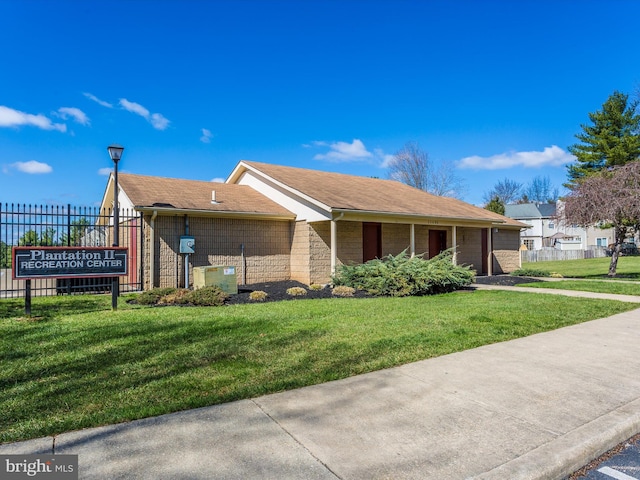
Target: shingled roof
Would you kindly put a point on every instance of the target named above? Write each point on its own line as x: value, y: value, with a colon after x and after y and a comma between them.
x: 147, y: 192
x: 337, y: 191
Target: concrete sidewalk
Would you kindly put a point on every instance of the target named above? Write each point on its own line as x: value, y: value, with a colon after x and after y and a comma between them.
x: 538, y: 407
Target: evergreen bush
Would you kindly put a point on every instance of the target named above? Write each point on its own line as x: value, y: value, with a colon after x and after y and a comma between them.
x: 402, y: 275
x: 530, y: 272
x: 152, y: 297
x: 211, y: 296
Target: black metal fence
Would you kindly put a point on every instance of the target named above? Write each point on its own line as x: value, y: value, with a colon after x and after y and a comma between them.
x: 33, y: 225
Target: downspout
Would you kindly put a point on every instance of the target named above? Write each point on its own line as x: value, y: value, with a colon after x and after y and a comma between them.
x: 152, y: 250
x: 334, y: 242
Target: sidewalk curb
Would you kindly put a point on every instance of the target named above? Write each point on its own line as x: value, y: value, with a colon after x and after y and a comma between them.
x: 571, y: 451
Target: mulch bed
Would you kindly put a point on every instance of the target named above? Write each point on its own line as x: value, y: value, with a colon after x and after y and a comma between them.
x: 506, y: 280
x: 277, y: 291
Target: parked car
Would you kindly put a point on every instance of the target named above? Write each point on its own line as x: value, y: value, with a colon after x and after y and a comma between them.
x: 627, y: 248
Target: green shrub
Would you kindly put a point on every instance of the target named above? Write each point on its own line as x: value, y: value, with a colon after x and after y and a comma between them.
x: 316, y: 286
x: 152, y: 297
x: 258, y: 296
x: 343, y: 291
x: 179, y: 296
x: 402, y: 275
x: 296, y: 291
x: 529, y: 272
x: 207, y: 297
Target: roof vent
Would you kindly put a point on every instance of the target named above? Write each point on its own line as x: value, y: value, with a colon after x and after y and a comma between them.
x: 213, y: 197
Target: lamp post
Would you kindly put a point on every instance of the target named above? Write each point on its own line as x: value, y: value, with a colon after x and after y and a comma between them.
x: 115, y: 152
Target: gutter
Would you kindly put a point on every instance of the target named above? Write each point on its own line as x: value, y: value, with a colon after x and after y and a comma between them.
x: 410, y: 216
x: 215, y: 213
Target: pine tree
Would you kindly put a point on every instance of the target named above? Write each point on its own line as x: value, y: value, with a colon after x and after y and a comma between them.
x: 495, y: 205
x: 612, y: 139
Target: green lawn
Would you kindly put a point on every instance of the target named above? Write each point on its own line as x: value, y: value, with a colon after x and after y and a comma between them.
x: 77, y: 364
x: 619, y: 287
x: 628, y: 267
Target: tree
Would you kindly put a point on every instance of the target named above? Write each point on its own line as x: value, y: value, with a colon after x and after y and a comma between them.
x: 610, y: 197
x: 5, y: 255
x: 495, y: 205
x: 506, y: 191
x: 612, y: 139
x: 32, y: 238
x: 77, y: 232
x: 540, y: 190
x: 411, y: 165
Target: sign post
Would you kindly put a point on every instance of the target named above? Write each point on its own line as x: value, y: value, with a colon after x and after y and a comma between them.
x: 66, y: 262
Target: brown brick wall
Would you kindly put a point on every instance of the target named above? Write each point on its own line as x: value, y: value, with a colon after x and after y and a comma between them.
x: 282, y: 250
x: 506, y: 256
x: 349, y: 243
x: 267, y: 246
x: 320, y: 252
x: 300, y: 252
x: 470, y: 247
x: 396, y: 237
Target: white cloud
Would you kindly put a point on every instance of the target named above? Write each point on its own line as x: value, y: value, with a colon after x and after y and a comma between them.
x: 157, y: 120
x: 75, y: 113
x: 552, y: 156
x: 218, y: 180
x: 386, y: 158
x: 13, y: 118
x: 134, y: 107
x: 32, y: 167
x: 106, y: 171
x: 206, y: 136
x: 343, y: 151
x: 97, y: 100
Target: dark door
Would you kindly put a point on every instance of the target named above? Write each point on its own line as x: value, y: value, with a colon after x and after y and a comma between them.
x: 371, y: 241
x: 485, y: 250
x: 437, y: 242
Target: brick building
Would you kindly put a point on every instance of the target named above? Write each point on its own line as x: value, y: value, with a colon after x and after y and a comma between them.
x: 279, y: 223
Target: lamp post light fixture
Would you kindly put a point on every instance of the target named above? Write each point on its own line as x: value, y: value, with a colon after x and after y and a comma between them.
x: 115, y: 152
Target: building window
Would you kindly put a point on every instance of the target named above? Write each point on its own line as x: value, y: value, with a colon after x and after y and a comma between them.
x: 601, y: 242
x: 551, y: 226
x: 528, y: 244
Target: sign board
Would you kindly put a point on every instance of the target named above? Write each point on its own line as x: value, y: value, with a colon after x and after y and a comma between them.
x: 68, y: 262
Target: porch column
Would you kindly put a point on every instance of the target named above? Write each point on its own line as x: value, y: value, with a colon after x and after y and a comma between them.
x: 454, y: 240
x: 490, y: 252
x: 334, y: 242
x: 334, y: 246
x: 412, y: 240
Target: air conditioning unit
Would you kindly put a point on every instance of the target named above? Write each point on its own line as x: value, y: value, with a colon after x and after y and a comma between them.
x: 221, y: 276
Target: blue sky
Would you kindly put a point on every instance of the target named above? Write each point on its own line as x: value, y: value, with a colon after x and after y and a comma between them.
x: 497, y: 89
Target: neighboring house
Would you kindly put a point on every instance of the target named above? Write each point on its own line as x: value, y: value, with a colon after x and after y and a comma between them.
x: 282, y: 223
x: 548, y: 230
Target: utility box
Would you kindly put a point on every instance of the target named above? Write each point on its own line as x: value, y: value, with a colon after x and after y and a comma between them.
x: 221, y: 276
x: 187, y: 244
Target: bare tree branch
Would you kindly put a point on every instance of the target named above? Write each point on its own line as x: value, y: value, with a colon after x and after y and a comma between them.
x: 611, y: 197
x: 411, y: 165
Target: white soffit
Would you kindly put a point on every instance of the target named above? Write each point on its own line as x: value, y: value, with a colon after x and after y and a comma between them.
x: 303, y: 209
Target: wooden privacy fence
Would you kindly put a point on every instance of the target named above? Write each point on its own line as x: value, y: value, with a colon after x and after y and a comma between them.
x: 551, y: 254
x: 67, y: 226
